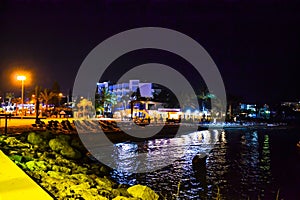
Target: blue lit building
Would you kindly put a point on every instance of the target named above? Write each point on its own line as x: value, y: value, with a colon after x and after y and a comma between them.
x: 254, y: 111
x: 248, y: 110
x: 126, y: 89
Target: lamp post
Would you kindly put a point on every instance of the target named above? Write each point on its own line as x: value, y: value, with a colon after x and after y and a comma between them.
x: 22, y: 79
x: 32, y: 101
x: 60, y: 95
x: 37, y: 105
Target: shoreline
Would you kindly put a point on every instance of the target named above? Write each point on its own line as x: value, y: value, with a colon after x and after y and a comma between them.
x: 167, y: 128
x: 116, y: 135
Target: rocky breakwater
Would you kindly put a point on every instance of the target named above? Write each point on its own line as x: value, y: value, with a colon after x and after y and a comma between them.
x: 59, y: 163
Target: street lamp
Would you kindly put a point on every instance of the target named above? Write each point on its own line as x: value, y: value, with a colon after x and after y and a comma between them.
x: 22, y: 79
x: 60, y: 95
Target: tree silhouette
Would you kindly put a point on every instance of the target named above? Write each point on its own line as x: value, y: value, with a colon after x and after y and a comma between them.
x: 189, y: 101
x: 166, y: 96
x: 56, y: 90
x: 205, y: 97
x: 46, y: 96
x: 136, y: 95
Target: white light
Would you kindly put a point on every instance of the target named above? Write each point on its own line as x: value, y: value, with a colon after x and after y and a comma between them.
x: 21, y: 78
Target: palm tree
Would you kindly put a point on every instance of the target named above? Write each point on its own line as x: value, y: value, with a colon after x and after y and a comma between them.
x: 15, y: 101
x: 189, y: 102
x: 205, y: 96
x: 85, y: 108
x: 104, y: 100
x: 46, y: 96
x: 218, y: 108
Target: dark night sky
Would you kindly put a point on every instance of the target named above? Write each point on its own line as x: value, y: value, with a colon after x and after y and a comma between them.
x: 255, y: 45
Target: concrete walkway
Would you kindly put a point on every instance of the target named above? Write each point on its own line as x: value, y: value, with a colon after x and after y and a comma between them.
x: 22, y: 122
x: 16, y: 184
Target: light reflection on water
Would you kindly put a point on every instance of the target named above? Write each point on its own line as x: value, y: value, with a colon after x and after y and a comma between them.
x: 239, y: 163
x: 127, y: 156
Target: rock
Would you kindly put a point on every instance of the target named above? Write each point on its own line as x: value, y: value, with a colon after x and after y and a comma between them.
x: 70, y: 152
x: 61, y: 145
x: 46, y: 135
x: 12, y: 141
x: 61, y: 169
x: 142, y: 192
x: 104, y: 192
x: 36, y: 165
x: 105, y: 170
x: 76, y: 142
x: 199, y: 160
x: 91, y: 194
x: 124, y: 198
x: 82, y: 178
x: 28, y: 156
x: 57, y: 144
x: 199, y: 163
x: 79, y: 169
x: 31, y: 165
x: 104, y: 183
x: 122, y: 189
x: 39, y: 154
x: 56, y: 175
x: 35, y: 138
x: 65, y: 178
x: 65, y: 138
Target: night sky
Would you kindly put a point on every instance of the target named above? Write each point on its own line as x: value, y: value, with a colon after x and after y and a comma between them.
x: 256, y: 45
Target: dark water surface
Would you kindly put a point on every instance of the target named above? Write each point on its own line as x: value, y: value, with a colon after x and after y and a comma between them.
x: 241, y: 163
